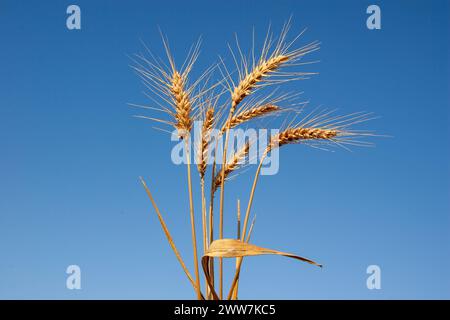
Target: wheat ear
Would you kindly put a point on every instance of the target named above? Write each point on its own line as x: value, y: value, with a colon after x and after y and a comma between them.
x: 263, y: 69
x: 182, y: 103
x: 232, y: 165
x: 293, y: 135
x: 207, y: 126
x: 250, y: 114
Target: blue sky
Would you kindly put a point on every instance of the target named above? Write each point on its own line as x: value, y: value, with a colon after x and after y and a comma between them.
x: 71, y: 153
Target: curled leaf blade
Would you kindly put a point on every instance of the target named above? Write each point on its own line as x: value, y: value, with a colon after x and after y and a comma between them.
x: 233, y: 248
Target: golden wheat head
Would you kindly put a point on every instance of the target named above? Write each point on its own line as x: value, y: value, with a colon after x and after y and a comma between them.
x: 207, y: 126
x: 295, y: 135
x: 250, y: 114
x: 231, y: 166
x: 274, y: 56
x: 182, y: 104
x: 263, y: 69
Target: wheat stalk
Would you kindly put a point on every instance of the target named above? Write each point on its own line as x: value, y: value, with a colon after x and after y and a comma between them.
x: 184, y: 125
x: 248, y: 82
x: 191, y: 212
x: 207, y: 126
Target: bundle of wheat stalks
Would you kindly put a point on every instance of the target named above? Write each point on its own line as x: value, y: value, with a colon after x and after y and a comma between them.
x: 223, y: 105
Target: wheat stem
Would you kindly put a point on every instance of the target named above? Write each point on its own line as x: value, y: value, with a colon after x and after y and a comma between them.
x: 238, y: 219
x: 243, y: 89
x: 238, y: 237
x: 211, y: 223
x: 236, y: 288
x: 224, y: 161
x: 204, y: 227
x: 221, y: 214
x: 191, y: 209
x: 207, y: 125
x: 244, y: 228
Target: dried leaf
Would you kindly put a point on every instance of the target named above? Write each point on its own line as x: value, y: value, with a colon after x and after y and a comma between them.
x: 232, y: 248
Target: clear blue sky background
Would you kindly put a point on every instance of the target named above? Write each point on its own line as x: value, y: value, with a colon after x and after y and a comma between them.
x: 71, y: 153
